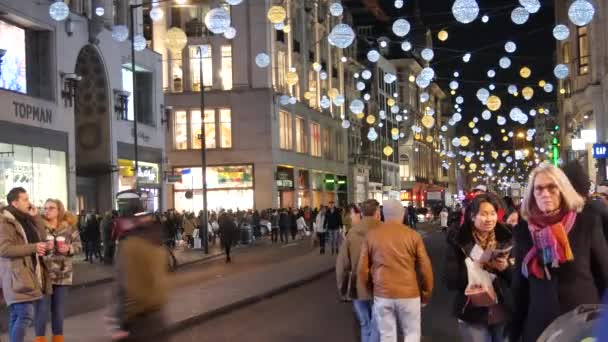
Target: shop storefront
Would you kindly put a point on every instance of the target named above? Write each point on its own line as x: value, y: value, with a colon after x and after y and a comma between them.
x: 317, y: 189
x: 228, y: 187
x: 342, y: 191
x: 285, y: 187
x: 148, y: 176
x: 330, y: 189
x: 303, y: 188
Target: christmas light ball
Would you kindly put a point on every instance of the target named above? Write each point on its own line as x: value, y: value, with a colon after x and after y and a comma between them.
x: 532, y: 6
x: 525, y: 72
x: 427, y: 54
x: 520, y: 16
x: 494, y: 103
x: 345, y: 124
x: 373, y: 56
x: 341, y: 36
x: 510, y: 47
x: 443, y: 35
x: 262, y: 60
x: 465, y: 11
x: 59, y: 11
x: 100, y: 11
x: 401, y: 27
x: 505, y: 62
x: 561, y: 71
x: 120, y: 33
x: 406, y: 46
x: 336, y: 9
x: 561, y: 32
x: 581, y: 12
x: 139, y: 43
x: 156, y: 14
x: 217, y: 20
x: 276, y: 14
x: 356, y: 106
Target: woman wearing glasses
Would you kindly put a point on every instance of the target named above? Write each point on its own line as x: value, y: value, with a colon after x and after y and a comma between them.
x: 561, y: 254
x: 62, y: 232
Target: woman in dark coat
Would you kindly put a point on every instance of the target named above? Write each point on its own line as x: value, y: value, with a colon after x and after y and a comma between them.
x: 228, y: 233
x: 481, y: 233
x: 561, y: 254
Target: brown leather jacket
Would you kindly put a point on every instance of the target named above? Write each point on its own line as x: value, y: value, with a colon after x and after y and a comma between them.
x: 348, y: 258
x: 394, y: 263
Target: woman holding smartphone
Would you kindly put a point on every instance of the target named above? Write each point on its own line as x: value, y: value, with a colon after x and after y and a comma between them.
x: 63, y: 232
x: 488, y: 243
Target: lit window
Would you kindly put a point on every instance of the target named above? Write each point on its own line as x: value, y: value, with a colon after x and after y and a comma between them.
x: 195, y: 63
x: 315, y: 139
x: 225, y: 128
x: 285, y: 128
x: 177, y: 74
x: 312, y: 87
x: 566, y: 53
x: 583, y: 51
x: 280, y: 73
x: 210, y: 129
x: 326, y: 143
x: 300, y: 135
x: 226, y: 72
x: 180, y: 130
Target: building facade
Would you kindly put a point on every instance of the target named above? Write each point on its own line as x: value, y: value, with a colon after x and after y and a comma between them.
x: 66, y: 128
x: 583, y: 99
x: 273, y: 137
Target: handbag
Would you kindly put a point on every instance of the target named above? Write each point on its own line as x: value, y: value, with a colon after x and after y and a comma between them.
x: 480, y: 289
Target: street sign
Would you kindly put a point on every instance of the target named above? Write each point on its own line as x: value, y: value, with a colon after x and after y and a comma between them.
x: 600, y: 151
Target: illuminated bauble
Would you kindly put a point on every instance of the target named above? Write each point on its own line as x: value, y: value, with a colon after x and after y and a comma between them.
x: 401, y: 27
x: 541, y: 83
x: 345, y: 124
x: 339, y: 100
x: 389, y: 78
x: 427, y: 73
x: 483, y: 94
x: 532, y: 6
x: 59, y: 11
x: 501, y: 120
x: 367, y: 97
x: 217, y: 20
x: 486, y: 115
x: 325, y: 102
x: 466, y: 58
x: 308, y: 95
x: 473, y: 166
x: 464, y: 141
x: 276, y: 14
x: 332, y: 93
x: 406, y: 46
x: 457, y: 117
x: 390, y: 102
x: 336, y: 9
x: 139, y: 43
x: 387, y: 150
x: 360, y: 86
x: 471, y: 124
x: 581, y: 12
x: 465, y: 11
x: 467, y: 159
x: 561, y: 71
x: 323, y: 75
x: 372, y: 135
x: 317, y: 67
x: 456, y: 142
x: 428, y: 121
x: 525, y: 72
x: 443, y: 35
x: 360, y: 116
x: 429, y: 139
x: 366, y: 74
x: 505, y: 62
x: 357, y: 106
x: 156, y: 14
x: 262, y: 60
x: 485, y: 19
x: 394, y: 109
x: 287, y: 28
x: 494, y: 103
x: 120, y: 33
x: 548, y: 88
x: 427, y: 54
x: 341, y: 36
x: 527, y: 93
x: 510, y: 47
x: 487, y: 138
x: 373, y: 56
x: 370, y: 119
x: 561, y: 32
x: 293, y: 100
x: 291, y: 78
x: 491, y: 73
x: 175, y: 39
x: 100, y: 11
x: 520, y: 16
x: 460, y: 100
x: 284, y: 100
x: 234, y: 2
x: 422, y: 82
x: 398, y: 3
x: 454, y: 85
x: 279, y: 26
x: 424, y: 97
x: 230, y: 33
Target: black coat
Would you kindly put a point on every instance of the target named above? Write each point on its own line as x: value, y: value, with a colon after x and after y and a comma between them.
x: 333, y: 221
x: 456, y: 277
x: 540, y: 301
x: 284, y: 222
x: 598, y: 206
x: 229, y: 232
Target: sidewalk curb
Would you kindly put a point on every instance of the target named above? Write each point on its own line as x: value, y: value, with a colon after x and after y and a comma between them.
x: 206, y: 316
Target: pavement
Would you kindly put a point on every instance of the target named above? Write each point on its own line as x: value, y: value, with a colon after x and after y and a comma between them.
x: 208, y: 289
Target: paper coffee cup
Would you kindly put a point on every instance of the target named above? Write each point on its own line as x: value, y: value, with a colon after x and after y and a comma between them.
x: 60, y: 241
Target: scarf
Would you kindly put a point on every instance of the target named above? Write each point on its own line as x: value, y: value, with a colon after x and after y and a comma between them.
x: 27, y: 223
x: 487, y: 242
x: 551, y: 244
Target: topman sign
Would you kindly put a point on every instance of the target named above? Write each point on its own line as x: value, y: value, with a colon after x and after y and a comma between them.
x: 34, y: 113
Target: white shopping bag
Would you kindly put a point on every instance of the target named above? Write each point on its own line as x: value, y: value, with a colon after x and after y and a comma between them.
x: 197, y: 243
x: 480, y: 289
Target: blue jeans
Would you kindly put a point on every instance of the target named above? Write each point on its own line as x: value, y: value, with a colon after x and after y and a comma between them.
x: 481, y: 332
x: 363, y: 310
x: 334, y: 239
x: 57, y: 302
x: 21, y: 317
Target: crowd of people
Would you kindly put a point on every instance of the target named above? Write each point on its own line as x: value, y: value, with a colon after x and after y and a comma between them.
x: 514, y: 268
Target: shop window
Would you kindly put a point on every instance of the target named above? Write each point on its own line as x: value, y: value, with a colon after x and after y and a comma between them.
x: 326, y: 143
x: 210, y: 129
x: 566, y: 53
x: 285, y: 131
x: 300, y: 135
x: 225, y: 128
x: 145, y: 94
x: 177, y: 73
x: 279, y: 82
x: 315, y: 139
x: 583, y: 50
x: 312, y: 88
x: 180, y: 130
x: 195, y: 66
x: 226, y: 72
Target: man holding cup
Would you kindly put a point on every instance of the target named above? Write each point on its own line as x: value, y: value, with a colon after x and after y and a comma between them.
x: 21, y: 268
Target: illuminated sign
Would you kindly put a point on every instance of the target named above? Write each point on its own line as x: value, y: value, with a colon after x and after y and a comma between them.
x: 600, y: 151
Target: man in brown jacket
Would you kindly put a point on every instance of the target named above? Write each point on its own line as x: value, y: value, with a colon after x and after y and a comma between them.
x: 24, y: 279
x: 392, y: 258
x: 346, y: 269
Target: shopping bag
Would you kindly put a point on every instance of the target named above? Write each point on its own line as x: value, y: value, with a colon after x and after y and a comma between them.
x: 196, y: 233
x: 479, y: 290
x: 197, y: 243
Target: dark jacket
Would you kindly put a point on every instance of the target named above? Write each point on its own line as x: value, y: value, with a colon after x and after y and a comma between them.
x: 539, y: 301
x: 228, y: 231
x: 456, y: 277
x: 284, y: 221
x: 333, y: 220
x: 599, y: 207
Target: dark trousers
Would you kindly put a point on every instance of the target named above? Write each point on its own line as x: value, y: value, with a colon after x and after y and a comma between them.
x: 294, y: 232
x: 147, y: 327
x: 93, y: 250
x: 108, y: 252
x: 227, y: 248
x: 284, y: 235
x: 321, y: 237
x: 274, y: 235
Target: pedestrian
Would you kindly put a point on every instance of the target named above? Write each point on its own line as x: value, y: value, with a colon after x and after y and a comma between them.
x: 413, y: 218
x: 93, y: 237
x: 109, y: 244
x: 346, y: 270
x: 62, y: 227
x: 478, y: 240
x: 333, y: 222
x: 293, y: 224
x: 142, y: 284
x: 228, y: 234
x: 274, y: 230
x: 561, y: 255
x: 188, y: 224
x: 351, y: 218
x: 443, y: 217
x: 24, y: 276
x: 319, y: 227
x: 284, y: 224
x: 396, y: 268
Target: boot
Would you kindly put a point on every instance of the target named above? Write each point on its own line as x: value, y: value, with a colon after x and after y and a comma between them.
x: 57, y: 338
x: 40, y: 339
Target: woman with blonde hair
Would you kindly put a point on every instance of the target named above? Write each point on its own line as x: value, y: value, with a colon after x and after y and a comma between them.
x: 561, y: 255
x: 62, y: 229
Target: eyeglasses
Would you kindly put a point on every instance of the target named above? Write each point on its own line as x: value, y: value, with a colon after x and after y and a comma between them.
x: 551, y: 188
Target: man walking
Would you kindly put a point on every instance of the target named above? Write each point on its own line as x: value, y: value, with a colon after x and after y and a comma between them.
x: 333, y: 222
x: 391, y: 258
x: 21, y: 268
x: 346, y: 269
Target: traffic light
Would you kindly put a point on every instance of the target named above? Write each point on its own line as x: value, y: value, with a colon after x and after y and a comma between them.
x: 556, y: 128
x: 554, y: 141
